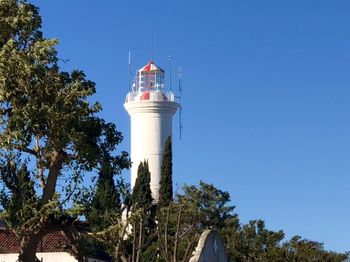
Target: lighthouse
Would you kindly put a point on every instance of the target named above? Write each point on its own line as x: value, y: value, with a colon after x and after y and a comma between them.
x: 151, y: 109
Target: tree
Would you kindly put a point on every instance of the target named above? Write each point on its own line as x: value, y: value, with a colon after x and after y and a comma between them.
x: 141, y: 197
x: 254, y: 242
x: 181, y: 223
x: 197, y: 208
x: 166, y: 180
x: 142, y: 204
x: 105, y: 206
x: 46, y: 118
x: 306, y: 250
x: 209, y: 201
x: 19, y: 200
x: 103, y: 213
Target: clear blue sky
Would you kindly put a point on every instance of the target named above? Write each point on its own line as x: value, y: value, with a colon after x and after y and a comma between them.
x: 266, y: 96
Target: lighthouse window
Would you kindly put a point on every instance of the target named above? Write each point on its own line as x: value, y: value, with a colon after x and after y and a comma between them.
x: 150, y: 81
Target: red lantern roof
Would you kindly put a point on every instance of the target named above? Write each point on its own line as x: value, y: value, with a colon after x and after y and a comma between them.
x: 151, y: 66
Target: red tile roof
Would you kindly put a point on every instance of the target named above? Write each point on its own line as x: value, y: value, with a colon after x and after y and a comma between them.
x: 53, y: 242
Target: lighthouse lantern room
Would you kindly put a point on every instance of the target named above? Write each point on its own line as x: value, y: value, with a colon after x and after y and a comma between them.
x: 151, y: 109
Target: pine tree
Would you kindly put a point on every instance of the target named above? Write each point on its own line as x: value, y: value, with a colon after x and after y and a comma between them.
x: 166, y: 180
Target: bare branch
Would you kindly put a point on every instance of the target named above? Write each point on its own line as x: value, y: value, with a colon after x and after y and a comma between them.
x: 23, y: 149
x: 140, y: 242
x: 188, y: 253
x: 41, y: 174
x: 186, y: 232
x: 161, y: 243
x: 121, y: 237
x: 5, y: 111
x: 166, y: 231
x: 70, y: 194
x: 176, y: 241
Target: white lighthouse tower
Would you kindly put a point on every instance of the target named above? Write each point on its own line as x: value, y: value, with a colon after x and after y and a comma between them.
x: 151, y: 110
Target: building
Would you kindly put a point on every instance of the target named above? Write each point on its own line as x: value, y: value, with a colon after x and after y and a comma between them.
x: 52, y: 248
x: 151, y: 109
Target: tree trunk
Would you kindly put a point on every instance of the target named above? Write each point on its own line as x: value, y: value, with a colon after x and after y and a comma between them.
x: 54, y: 171
x: 29, y: 245
x: 166, y: 232
x: 32, y: 237
x: 120, y: 240
x: 133, y: 256
x: 176, y: 240
x: 140, y: 243
x: 123, y: 258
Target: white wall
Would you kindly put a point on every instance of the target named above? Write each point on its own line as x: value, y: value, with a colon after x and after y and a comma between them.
x: 45, y: 257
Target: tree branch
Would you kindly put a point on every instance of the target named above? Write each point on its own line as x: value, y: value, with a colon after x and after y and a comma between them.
x: 176, y: 241
x: 23, y: 149
x: 39, y: 162
x: 54, y: 170
x: 5, y: 111
x: 140, y: 242
x: 70, y: 194
x: 188, y: 253
x: 186, y: 232
x: 166, y: 231
x: 161, y: 243
x: 121, y: 237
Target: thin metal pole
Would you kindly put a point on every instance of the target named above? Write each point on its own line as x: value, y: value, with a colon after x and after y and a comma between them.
x: 129, y: 72
x: 170, y: 84
x: 152, y: 47
x: 180, y: 103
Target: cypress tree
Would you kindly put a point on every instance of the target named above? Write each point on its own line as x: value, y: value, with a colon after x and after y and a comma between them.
x: 103, y: 212
x: 19, y: 200
x: 166, y: 180
x: 141, y: 199
x: 105, y: 205
x: 142, y: 194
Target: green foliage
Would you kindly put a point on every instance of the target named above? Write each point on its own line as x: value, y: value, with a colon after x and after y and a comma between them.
x: 47, y: 119
x: 253, y: 242
x: 102, y: 214
x: 141, y: 197
x: 150, y: 254
x: 306, y: 250
x: 166, y: 180
x: 179, y: 226
x: 198, y: 208
x: 19, y: 20
x: 209, y: 202
x: 143, y: 222
x: 105, y: 207
x: 19, y: 201
x: 45, y: 112
x: 182, y: 222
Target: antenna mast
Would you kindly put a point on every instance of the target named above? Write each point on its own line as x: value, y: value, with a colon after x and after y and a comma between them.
x: 170, y: 80
x: 180, y: 107
x: 129, y: 69
x: 152, y: 47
